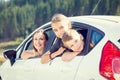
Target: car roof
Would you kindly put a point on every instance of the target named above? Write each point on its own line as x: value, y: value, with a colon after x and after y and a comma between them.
x: 102, y: 22
x: 99, y: 21
x: 108, y: 24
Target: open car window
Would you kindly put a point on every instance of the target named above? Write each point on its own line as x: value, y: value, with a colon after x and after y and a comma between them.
x: 91, y: 35
x: 83, y: 32
x: 51, y: 35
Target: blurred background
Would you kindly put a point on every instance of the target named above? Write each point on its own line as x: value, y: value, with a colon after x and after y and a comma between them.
x: 18, y: 18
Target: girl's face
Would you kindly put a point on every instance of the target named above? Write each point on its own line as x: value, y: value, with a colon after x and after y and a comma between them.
x: 75, y: 44
x: 39, y: 41
x: 60, y: 27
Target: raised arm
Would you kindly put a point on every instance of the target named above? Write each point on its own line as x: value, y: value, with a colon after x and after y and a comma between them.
x: 49, y: 56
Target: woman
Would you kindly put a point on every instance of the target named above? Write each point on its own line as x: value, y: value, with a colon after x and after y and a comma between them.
x: 39, y: 40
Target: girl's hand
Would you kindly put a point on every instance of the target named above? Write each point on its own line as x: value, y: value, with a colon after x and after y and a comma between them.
x: 68, y: 56
x: 61, y: 50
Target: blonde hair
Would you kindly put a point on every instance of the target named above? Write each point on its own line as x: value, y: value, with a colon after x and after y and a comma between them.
x: 67, y: 36
x: 59, y: 18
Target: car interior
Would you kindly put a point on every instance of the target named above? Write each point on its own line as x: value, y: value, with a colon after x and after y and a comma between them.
x: 84, y: 32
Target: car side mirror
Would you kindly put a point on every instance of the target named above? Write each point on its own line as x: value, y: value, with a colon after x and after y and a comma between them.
x: 11, y: 55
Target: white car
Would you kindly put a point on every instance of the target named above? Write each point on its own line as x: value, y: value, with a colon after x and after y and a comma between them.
x: 92, y: 64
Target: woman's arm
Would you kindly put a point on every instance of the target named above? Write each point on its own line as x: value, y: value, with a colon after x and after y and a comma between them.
x: 27, y: 54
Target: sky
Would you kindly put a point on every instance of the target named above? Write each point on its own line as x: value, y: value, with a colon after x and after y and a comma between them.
x: 4, y: 0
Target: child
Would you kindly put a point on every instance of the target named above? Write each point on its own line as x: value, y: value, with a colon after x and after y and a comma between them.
x: 73, y: 41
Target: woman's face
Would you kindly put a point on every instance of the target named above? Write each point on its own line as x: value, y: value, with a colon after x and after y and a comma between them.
x: 75, y: 44
x: 39, y: 41
x: 60, y: 27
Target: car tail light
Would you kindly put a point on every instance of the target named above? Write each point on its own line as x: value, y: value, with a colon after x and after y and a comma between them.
x: 109, y: 52
x: 116, y: 65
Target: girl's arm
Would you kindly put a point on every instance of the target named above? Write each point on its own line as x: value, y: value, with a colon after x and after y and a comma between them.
x: 49, y: 56
x: 68, y: 56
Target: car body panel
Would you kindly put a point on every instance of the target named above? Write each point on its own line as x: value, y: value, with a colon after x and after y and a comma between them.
x: 83, y: 67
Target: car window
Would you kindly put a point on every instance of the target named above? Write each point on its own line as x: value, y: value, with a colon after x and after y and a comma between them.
x: 95, y: 38
x: 50, y: 41
x: 29, y: 44
x: 84, y: 33
x: 51, y: 35
x: 92, y: 36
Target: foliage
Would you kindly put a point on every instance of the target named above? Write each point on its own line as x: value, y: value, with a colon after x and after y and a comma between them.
x: 8, y: 45
x: 18, y: 18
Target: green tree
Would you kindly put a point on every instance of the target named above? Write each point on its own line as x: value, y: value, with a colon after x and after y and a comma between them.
x: 20, y: 17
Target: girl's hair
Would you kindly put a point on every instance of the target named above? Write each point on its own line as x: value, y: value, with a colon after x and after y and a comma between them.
x: 67, y: 36
x: 60, y: 17
x: 45, y: 35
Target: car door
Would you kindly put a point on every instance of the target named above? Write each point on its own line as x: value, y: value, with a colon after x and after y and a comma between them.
x: 89, y: 67
x: 68, y: 70
x: 79, y: 66
x: 30, y: 69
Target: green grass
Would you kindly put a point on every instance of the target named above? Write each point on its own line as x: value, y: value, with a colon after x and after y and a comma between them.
x: 8, y: 45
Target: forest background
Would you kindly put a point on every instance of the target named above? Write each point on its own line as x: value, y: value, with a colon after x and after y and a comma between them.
x: 18, y: 18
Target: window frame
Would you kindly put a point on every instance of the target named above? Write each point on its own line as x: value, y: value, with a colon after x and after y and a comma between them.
x: 26, y: 43
x: 88, y: 36
x: 75, y: 25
